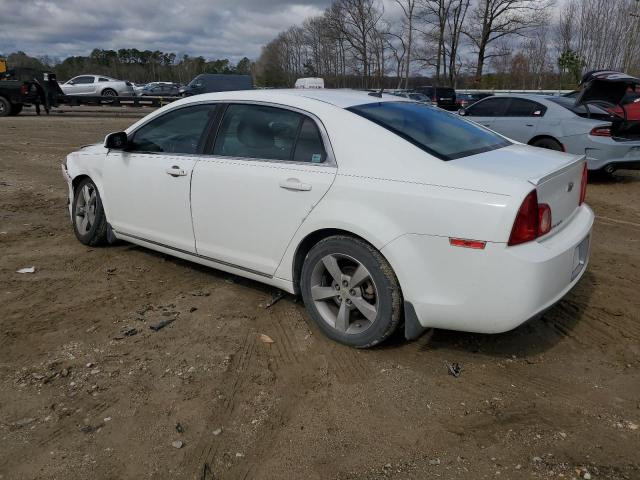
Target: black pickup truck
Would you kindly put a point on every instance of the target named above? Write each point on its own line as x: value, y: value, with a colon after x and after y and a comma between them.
x: 25, y: 86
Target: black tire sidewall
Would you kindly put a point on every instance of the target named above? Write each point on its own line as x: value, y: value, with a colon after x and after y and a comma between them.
x: 7, y: 107
x: 112, y: 94
x: 95, y: 233
x: 383, y: 277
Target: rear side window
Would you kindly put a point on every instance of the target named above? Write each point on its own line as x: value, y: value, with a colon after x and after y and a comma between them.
x: 268, y: 133
x: 102, y: 79
x: 520, y: 107
x: 491, y: 107
x: 309, y: 147
x: 439, y: 133
x: 179, y: 131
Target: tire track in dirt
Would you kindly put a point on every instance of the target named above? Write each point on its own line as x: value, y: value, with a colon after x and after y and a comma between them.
x: 207, y: 446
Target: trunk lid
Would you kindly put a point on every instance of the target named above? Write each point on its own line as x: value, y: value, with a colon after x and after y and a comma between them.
x: 556, y: 176
x: 605, y: 86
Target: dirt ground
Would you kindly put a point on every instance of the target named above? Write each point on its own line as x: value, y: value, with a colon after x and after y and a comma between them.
x: 88, y: 390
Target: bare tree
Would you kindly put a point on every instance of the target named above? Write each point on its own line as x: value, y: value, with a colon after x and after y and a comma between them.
x: 357, y: 20
x: 492, y: 20
x: 455, y: 23
x: 408, y: 9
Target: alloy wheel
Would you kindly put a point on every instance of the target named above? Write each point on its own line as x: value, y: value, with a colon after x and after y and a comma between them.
x: 86, y: 203
x: 344, y: 293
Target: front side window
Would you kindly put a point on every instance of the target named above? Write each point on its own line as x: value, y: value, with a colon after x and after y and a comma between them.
x: 491, y: 107
x: 179, y: 131
x: 269, y: 133
x: 439, y: 133
x: 83, y: 80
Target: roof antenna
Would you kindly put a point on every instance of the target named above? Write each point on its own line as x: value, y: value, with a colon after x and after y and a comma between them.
x: 378, y: 93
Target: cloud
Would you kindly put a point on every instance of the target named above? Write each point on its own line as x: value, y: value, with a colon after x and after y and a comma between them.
x: 211, y: 28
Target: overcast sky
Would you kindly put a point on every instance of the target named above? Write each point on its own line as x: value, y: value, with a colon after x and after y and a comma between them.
x: 211, y: 28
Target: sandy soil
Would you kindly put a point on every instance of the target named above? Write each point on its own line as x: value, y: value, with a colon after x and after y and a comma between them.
x: 87, y: 390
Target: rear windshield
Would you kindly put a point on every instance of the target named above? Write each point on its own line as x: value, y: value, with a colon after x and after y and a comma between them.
x: 592, y: 111
x: 437, y: 132
x: 446, y: 91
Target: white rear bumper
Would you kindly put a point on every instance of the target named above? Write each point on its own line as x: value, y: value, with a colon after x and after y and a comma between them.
x: 491, y: 290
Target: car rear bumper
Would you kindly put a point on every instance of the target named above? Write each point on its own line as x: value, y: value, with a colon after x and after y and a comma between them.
x: 492, y: 290
x: 601, y: 152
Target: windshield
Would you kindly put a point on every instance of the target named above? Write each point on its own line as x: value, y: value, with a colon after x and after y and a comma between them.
x: 437, y: 132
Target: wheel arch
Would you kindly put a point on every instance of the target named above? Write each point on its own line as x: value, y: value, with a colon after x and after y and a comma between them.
x: 311, y: 239
x: 544, y: 136
x: 410, y: 323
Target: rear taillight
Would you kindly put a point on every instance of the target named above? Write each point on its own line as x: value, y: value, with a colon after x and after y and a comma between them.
x: 601, y: 132
x: 583, y: 184
x: 24, y: 89
x: 532, y: 221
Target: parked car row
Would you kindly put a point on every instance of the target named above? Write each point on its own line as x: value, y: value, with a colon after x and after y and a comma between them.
x: 600, y: 121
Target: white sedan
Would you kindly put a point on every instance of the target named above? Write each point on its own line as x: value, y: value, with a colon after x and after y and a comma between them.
x: 378, y: 210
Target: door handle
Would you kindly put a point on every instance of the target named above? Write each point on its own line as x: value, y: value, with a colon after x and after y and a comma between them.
x: 176, y: 171
x: 295, y: 184
x: 529, y: 124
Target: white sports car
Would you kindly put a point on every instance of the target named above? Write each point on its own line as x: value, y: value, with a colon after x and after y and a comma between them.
x: 378, y: 210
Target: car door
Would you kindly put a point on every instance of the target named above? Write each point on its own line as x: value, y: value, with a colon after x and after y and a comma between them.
x: 268, y: 169
x: 148, y: 184
x: 521, y: 119
x: 82, y: 85
x: 485, y: 111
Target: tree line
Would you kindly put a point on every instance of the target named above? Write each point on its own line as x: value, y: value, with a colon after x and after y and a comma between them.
x: 140, y: 66
x: 526, y: 44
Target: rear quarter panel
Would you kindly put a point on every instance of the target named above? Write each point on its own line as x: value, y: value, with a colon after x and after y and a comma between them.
x: 386, y: 187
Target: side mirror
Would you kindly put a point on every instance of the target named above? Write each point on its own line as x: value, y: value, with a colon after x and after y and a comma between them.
x: 71, y: 82
x: 116, y: 141
x: 462, y: 112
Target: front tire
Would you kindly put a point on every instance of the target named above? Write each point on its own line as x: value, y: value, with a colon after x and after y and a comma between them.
x: 351, y: 292
x: 89, y: 220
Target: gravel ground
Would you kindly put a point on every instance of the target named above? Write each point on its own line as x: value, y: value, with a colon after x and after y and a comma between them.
x: 88, y: 390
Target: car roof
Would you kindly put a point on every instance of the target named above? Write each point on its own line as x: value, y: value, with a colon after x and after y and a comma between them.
x: 343, y: 98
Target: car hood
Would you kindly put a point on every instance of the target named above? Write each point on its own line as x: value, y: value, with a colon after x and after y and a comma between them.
x: 605, y: 86
x: 518, y: 161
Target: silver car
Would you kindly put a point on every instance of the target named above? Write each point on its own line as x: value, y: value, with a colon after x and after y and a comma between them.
x: 97, y: 85
x: 560, y: 123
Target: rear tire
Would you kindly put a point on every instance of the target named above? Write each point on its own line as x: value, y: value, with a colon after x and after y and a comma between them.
x: 351, y: 292
x: 5, y: 107
x: 109, y: 92
x: 89, y: 220
x: 548, y: 143
x: 16, y: 109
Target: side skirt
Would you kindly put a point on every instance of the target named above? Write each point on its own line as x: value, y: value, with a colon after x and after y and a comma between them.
x: 261, y: 277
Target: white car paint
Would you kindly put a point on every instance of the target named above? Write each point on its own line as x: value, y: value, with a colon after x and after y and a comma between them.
x: 234, y: 215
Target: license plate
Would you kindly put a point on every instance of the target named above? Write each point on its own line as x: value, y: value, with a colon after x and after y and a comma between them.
x: 580, y: 254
